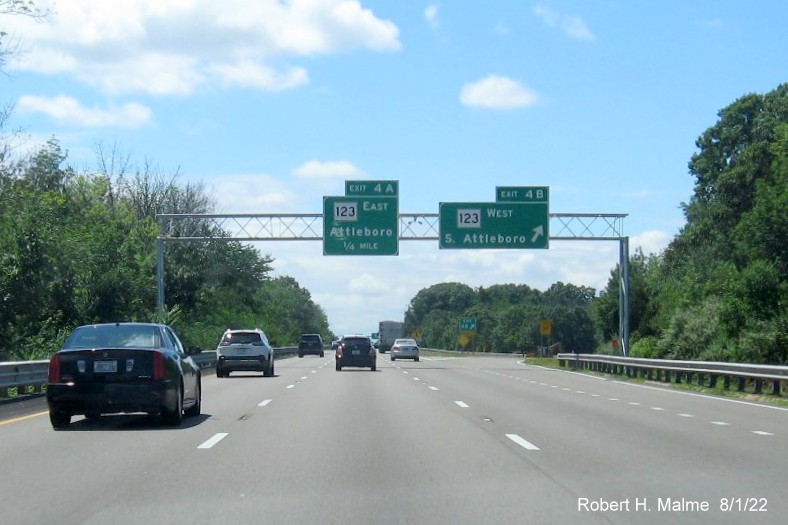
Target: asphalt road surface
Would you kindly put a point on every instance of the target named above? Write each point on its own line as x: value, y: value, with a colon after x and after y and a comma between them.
x: 447, y: 440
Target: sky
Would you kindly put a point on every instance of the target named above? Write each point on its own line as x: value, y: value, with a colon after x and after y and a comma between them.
x: 272, y: 105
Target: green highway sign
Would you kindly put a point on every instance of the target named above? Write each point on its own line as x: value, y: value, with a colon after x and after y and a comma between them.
x: 467, y: 324
x: 522, y: 194
x: 372, y: 188
x: 496, y: 225
x: 357, y: 225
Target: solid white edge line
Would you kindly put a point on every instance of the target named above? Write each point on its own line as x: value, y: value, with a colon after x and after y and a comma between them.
x: 264, y: 402
x: 522, y: 442
x: 461, y: 404
x: 214, y: 440
x: 693, y: 394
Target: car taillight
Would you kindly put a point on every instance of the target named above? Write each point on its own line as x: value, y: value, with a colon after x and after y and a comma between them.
x: 54, y: 369
x: 372, y: 350
x: 339, y: 351
x: 159, y: 370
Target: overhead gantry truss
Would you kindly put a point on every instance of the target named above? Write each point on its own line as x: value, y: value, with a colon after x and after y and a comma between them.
x: 412, y: 227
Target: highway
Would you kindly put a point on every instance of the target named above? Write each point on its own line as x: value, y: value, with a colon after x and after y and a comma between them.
x: 447, y: 440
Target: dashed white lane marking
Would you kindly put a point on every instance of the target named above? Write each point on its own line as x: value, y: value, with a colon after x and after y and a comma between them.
x: 658, y: 409
x: 264, y: 402
x: 303, y: 378
x: 762, y: 433
x: 461, y: 404
x: 214, y: 440
x: 522, y: 442
x: 433, y: 388
x: 634, y: 403
x: 290, y: 386
x: 720, y: 423
x: 686, y: 415
x: 416, y: 379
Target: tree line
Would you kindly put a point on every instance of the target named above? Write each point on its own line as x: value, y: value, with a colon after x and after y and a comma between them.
x: 78, y: 247
x: 718, y: 292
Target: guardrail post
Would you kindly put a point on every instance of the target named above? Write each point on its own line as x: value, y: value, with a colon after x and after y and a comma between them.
x: 776, y: 388
x: 758, y: 386
x: 713, y: 381
x: 726, y: 382
x: 678, y: 377
x: 742, y: 383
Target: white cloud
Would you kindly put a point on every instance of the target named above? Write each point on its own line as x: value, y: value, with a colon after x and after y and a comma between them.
x: 67, y: 109
x: 431, y: 14
x: 573, y: 26
x: 328, y: 171
x: 176, y: 46
x: 251, y: 74
x: 651, y: 242
x: 259, y: 193
x: 497, y: 92
x: 366, y: 284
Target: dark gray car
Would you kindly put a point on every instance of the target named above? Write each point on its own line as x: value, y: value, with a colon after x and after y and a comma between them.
x: 356, y: 350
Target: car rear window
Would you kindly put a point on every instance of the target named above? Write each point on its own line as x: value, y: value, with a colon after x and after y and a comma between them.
x: 310, y: 338
x: 241, y: 338
x: 115, y: 336
x: 358, y: 343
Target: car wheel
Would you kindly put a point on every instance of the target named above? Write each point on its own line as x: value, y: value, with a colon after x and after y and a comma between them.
x: 196, y: 408
x: 374, y: 368
x: 59, y: 418
x: 339, y: 367
x: 268, y: 371
x: 322, y: 354
x: 300, y: 354
x: 416, y: 359
x: 393, y: 358
x: 174, y: 417
x: 219, y: 372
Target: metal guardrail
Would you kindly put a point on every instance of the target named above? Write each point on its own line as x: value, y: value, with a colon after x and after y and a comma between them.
x: 669, y: 370
x: 18, y: 378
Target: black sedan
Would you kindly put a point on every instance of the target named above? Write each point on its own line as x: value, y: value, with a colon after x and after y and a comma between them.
x: 121, y: 368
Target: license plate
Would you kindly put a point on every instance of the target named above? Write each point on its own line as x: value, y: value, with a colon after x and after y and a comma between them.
x: 105, y: 367
x: 356, y: 352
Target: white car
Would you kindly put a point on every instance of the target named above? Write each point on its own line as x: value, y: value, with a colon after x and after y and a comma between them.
x: 247, y: 350
x: 405, y: 349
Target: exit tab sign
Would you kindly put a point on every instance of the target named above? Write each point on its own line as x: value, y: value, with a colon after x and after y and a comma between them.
x: 372, y: 188
x: 522, y: 194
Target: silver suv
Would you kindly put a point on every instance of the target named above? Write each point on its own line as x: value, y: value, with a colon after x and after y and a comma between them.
x: 247, y: 350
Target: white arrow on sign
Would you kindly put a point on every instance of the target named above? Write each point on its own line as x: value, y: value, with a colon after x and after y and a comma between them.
x: 538, y: 232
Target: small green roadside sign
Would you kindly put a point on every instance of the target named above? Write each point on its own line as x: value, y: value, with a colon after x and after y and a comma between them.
x: 357, y: 225
x: 467, y: 324
x: 494, y: 225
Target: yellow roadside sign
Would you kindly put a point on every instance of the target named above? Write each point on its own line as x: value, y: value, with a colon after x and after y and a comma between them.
x: 546, y: 327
